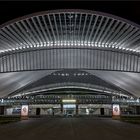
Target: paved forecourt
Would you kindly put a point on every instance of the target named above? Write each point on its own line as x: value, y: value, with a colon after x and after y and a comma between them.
x: 85, y: 128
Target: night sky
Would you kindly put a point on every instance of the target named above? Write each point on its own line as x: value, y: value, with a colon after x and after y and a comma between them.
x: 128, y: 10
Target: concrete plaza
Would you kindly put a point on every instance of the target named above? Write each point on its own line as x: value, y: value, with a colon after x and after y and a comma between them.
x: 84, y: 128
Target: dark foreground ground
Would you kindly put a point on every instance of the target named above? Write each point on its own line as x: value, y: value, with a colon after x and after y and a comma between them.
x: 70, y: 129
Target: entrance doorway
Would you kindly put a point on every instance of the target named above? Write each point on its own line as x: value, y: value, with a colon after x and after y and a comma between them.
x: 102, y: 111
x: 38, y: 111
x: 69, y: 110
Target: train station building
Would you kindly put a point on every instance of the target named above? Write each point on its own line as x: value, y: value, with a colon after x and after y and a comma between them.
x: 70, y: 62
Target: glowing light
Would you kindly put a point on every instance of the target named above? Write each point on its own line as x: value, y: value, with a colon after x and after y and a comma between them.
x: 87, y: 111
x: 69, y: 101
x: 24, y: 110
x: 88, y: 44
x: 41, y: 45
x: 69, y: 43
x: 116, y: 110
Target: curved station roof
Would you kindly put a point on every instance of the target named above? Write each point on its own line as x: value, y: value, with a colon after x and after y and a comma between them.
x: 92, y: 44
x: 69, y: 28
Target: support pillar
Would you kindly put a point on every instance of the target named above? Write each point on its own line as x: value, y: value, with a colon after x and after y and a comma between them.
x: 77, y: 113
x: 53, y: 112
x: 61, y: 108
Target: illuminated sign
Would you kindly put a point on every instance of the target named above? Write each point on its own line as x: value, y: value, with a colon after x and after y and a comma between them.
x: 69, y: 106
x: 116, y: 110
x: 68, y: 101
x: 24, y: 110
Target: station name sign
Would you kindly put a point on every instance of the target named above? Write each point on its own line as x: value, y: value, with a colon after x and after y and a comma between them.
x: 69, y: 101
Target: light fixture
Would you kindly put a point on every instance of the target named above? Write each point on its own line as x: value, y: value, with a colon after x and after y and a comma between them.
x: 69, y: 101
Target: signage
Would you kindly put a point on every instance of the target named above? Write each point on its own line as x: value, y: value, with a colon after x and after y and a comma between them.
x: 116, y: 110
x: 69, y: 106
x: 68, y: 101
x: 24, y: 110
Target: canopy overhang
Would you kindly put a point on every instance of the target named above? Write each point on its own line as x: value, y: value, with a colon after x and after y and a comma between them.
x: 86, y: 40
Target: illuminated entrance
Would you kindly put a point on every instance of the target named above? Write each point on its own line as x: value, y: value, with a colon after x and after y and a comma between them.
x: 69, y: 107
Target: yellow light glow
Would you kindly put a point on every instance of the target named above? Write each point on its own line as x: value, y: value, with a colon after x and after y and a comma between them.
x: 68, y: 101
